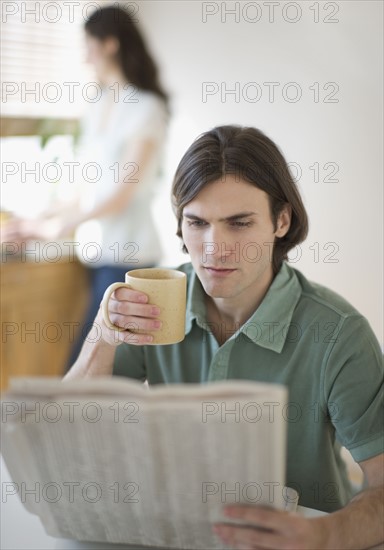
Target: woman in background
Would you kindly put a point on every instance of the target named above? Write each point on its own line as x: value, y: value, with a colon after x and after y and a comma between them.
x: 122, y: 134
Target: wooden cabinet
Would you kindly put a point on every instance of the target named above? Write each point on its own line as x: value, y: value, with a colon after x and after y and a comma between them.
x: 42, y: 307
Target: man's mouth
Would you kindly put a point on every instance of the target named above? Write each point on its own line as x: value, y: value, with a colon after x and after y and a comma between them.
x: 219, y: 270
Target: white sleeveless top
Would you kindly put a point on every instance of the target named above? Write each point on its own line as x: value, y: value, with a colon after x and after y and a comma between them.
x: 129, y: 237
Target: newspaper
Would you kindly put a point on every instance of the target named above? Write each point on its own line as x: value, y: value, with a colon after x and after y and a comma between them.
x: 108, y: 459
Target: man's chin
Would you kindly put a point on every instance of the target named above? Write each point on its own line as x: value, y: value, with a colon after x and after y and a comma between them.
x: 216, y: 290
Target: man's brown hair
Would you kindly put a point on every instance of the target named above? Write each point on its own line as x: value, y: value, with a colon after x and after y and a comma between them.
x: 251, y: 156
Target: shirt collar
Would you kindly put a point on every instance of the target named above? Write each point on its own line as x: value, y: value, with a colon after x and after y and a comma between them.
x: 269, y: 324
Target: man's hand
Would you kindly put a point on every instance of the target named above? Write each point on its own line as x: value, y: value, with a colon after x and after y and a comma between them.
x: 357, y: 525
x: 126, y: 308
x: 273, y: 529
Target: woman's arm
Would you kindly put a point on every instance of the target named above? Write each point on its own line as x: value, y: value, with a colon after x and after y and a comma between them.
x: 54, y: 227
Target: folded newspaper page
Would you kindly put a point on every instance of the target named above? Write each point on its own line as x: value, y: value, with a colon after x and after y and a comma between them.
x: 108, y: 459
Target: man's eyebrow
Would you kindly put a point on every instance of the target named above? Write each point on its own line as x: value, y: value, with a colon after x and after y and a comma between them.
x: 238, y: 216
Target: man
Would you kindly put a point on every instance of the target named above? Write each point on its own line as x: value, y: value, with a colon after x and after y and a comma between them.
x: 251, y: 316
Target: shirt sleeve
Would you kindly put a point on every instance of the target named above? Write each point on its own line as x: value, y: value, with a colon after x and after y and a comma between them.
x: 353, y: 386
x: 152, y: 119
x: 129, y: 361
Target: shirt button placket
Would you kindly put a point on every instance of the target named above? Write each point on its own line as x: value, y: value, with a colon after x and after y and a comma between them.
x: 219, y: 365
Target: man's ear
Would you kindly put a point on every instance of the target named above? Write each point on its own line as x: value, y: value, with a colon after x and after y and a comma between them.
x: 283, y: 221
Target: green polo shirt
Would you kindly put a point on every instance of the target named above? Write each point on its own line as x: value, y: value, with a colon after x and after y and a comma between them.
x: 311, y: 340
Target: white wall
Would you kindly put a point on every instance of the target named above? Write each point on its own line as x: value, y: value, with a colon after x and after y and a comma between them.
x: 347, y: 132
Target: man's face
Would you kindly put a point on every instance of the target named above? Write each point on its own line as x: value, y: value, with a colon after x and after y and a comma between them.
x: 228, y: 231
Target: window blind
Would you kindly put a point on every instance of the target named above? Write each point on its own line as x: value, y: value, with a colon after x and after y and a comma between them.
x: 43, y: 69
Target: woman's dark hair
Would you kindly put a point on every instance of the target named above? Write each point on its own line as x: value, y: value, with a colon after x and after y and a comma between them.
x: 251, y: 156
x: 137, y: 64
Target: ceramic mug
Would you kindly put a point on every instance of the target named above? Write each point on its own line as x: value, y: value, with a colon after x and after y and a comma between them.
x: 165, y: 288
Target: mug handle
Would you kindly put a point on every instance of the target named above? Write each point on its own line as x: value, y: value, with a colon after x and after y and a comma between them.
x: 104, y: 305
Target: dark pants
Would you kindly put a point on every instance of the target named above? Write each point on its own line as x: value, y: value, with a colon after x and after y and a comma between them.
x: 100, y: 278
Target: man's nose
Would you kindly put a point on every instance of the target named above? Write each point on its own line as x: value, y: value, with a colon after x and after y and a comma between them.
x: 219, y: 246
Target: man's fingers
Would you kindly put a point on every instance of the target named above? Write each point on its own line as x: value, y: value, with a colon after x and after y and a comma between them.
x: 115, y: 337
x: 129, y: 322
x: 268, y: 528
x: 132, y: 308
x: 136, y: 339
x: 128, y: 309
x: 248, y: 537
x: 130, y: 295
x: 263, y: 517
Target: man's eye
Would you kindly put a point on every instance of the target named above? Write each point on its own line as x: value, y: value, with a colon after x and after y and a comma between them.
x: 197, y: 223
x: 241, y: 224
